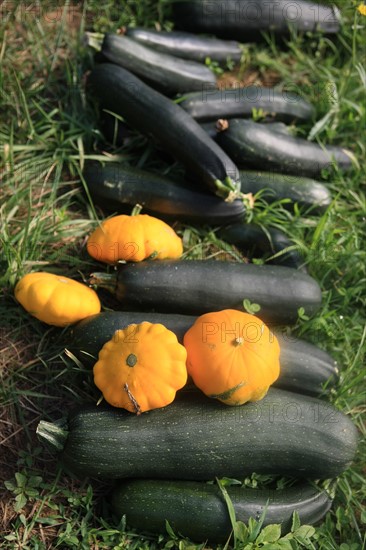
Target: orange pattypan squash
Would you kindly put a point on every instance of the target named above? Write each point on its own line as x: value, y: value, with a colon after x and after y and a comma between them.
x: 141, y: 367
x: 56, y: 300
x: 133, y: 239
x: 232, y: 356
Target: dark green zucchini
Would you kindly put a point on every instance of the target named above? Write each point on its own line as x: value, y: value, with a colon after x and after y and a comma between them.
x: 117, y: 188
x: 210, y: 104
x: 251, y: 144
x: 304, y: 367
x: 162, y: 71
x: 213, y: 127
x: 258, y: 242
x: 198, y: 510
x: 86, y: 338
x: 306, y: 192
x: 187, y: 45
x: 200, y: 286
x: 198, y: 438
x: 157, y: 116
x: 245, y: 20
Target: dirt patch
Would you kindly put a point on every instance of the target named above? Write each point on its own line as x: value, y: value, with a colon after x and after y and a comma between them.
x: 251, y: 77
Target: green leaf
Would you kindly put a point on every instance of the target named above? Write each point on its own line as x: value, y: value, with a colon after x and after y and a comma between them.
x: 31, y: 492
x: 279, y: 545
x: 169, y: 530
x: 256, y: 526
x: 20, y: 502
x: 270, y: 533
x: 295, y: 521
x: 10, y: 537
x: 229, y: 505
x: 251, y: 308
x: 228, y: 481
x: 302, y: 315
x: 303, y: 534
x: 9, y: 485
x: 241, y: 532
x: 21, y: 479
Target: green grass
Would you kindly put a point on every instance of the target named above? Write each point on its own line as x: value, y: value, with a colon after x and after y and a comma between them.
x: 47, y: 129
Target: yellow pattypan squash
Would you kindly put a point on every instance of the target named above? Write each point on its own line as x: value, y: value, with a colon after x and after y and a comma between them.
x: 133, y: 239
x: 56, y: 300
x: 141, y: 367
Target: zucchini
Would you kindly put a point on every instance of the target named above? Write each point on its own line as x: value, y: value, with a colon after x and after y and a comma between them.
x: 153, y: 114
x: 257, y: 242
x: 304, y: 367
x: 213, y: 127
x: 251, y: 144
x: 86, y: 338
x: 210, y: 104
x: 245, y: 20
x: 200, y: 286
x: 187, y: 45
x: 162, y: 71
x: 198, y: 438
x: 306, y: 192
x: 198, y: 510
x: 117, y: 188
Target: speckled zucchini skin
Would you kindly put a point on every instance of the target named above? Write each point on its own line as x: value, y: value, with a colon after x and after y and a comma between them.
x: 251, y: 144
x: 199, y: 286
x: 198, y: 510
x: 197, y: 438
x: 164, y: 72
x: 187, y: 45
x: 211, y: 104
x: 118, y: 188
x: 245, y: 20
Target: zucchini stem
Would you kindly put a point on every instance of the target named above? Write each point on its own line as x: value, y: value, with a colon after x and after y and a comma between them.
x: 94, y: 40
x: 104, y: 280
x: 230, y: 192
x: 55, y: 433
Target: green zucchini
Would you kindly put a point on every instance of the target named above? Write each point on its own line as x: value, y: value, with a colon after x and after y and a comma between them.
x: 258, y: 242
x: 187, y: 45
x: 162, y: 71
x: 200, y: 286
x: 211, y: 105
x: 304, y: 367
x: 153, y: 114
x: 251, y: 144
x: 306, y: 192
x: 198, y: 510
x: 245, y: 20
x: 198, y: 438
x: 213, y: 127
x: 117, y: 188
x: 87, y: 337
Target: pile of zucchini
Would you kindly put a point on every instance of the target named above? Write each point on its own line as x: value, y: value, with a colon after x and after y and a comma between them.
x: 166, y: 461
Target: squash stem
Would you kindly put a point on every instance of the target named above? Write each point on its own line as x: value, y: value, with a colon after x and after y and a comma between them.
x: 136, y: 210
x: 104, y: 280
x: 55, y: 433
x: 229, y: 191
x: 94, y: 40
